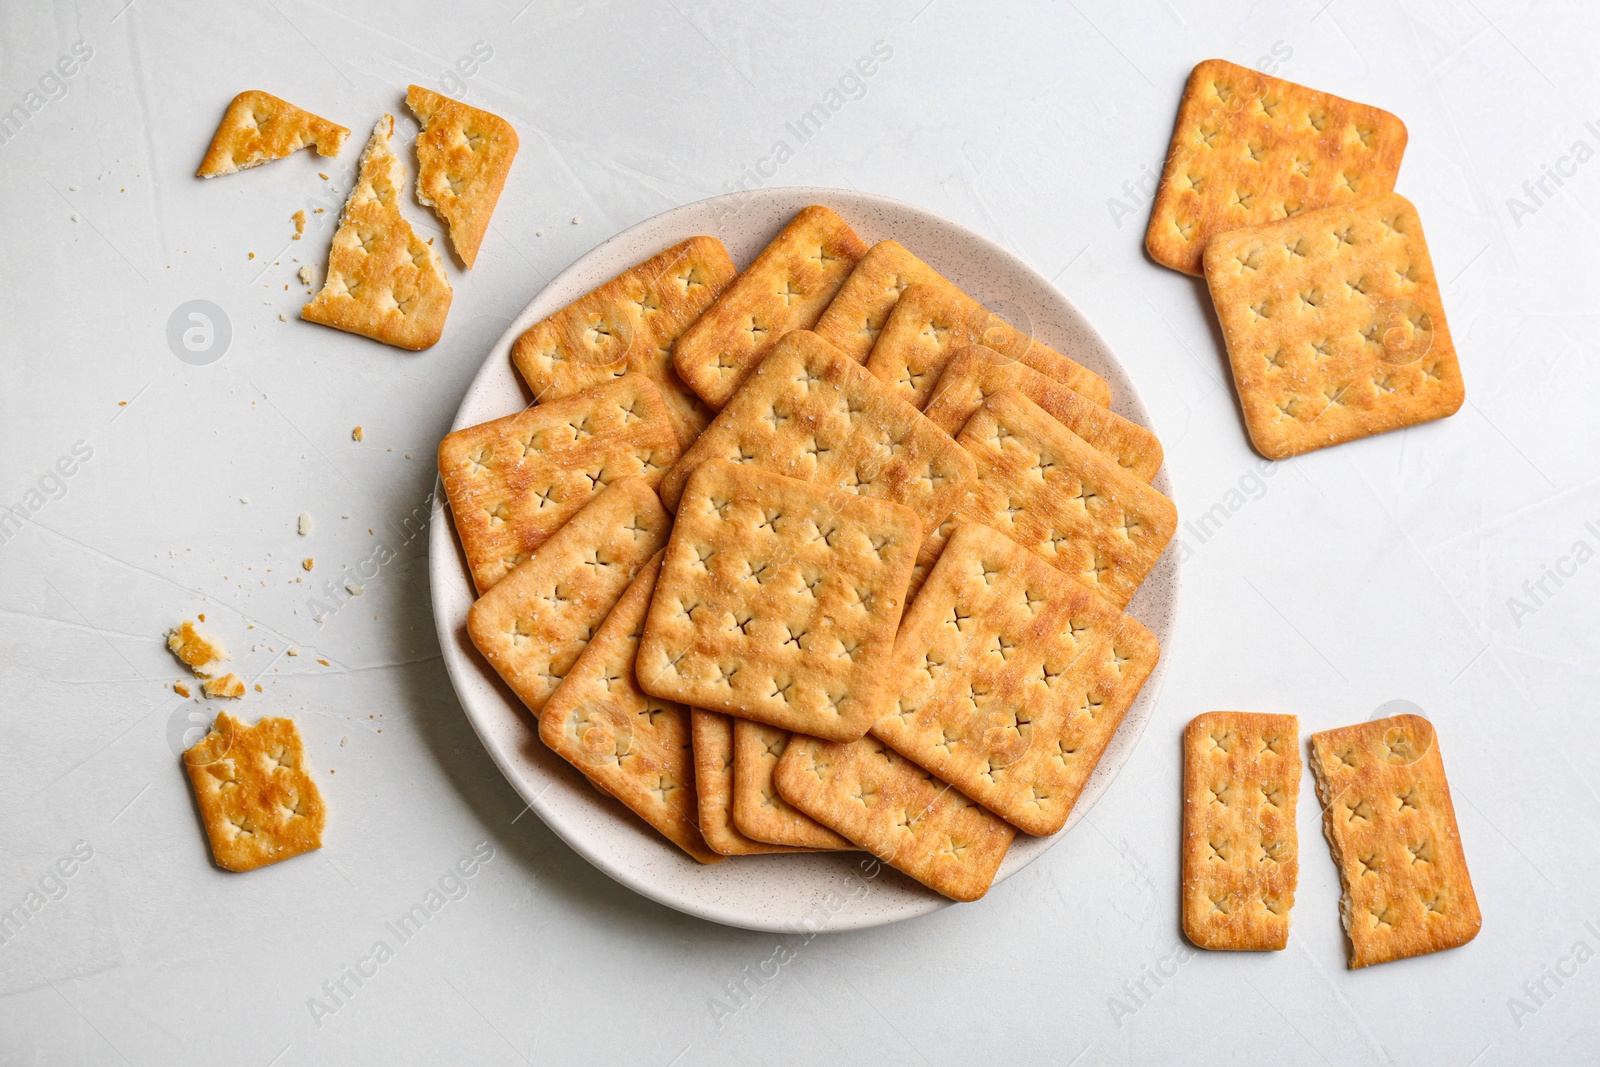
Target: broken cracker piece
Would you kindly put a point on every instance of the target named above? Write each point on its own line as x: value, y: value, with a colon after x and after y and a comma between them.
x: 181, y: 689
x: 299, y: 218
x: 259, y: 127
x: 258, y: 802
x: 463, y: 157
x: 195, y: 649
x: 228, y: 686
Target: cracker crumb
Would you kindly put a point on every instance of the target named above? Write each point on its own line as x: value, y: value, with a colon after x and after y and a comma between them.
x: 181, y: 689
x: 122, y: 403
x: 303, y: 525
x: 354, y: 588
x: 576, y: 220
x: 357, y: 434
x: 229, y: 687
x: 343, y: 741
x: 324, y: 177
x: 252, y: 255
x: 282, y: 317
x: 299, y: 218
x: 194, y: 649
x: 324, y: 662
x: 201, y: 616
x: 307, y: 563
x: 305, y: 274
x: 294, y: 652
x: 319, y: 211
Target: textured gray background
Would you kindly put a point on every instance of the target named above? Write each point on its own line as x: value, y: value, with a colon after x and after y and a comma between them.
x: 1328, y: 585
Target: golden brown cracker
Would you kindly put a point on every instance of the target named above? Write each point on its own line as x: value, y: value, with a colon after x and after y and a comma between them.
x: 1241, y: 851
x: 786, y: 288
x: 383, y: 281
x: 257, y: 799
x: 259, y: 127
x: 976, y: 373
x: 463, y: 156
x: 758, y: 811
x: 636, y: 748
x: 778, y: 601
x: 535, y: 622
x: 713, y: 776
x: 861, y: 307
x: 897, y: 811
x: 1334, y: 325
x: 511, y: 482
x: 195, y: 650
x: 1391, y: 827
x: 1249, y: 149
x: 929, y: 324
x: 1011, y: 679
x: 630, y: 324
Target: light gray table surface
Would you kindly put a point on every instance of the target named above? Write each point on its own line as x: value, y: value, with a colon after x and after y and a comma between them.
x: 1446, y: 566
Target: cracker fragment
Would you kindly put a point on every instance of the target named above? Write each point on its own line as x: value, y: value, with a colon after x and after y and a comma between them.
x: 1248, y: 149
x: 713, y: 777
x: 537, y: 620
x: 194, y: 650
x: 258, y: 801
x: 511, y: 482
x: 810, y: 412
x: 929, y: 324
x: 463, y: 156
x: 228, y: 686
x: 1391, y: 828
x: 858, y: 313
x: 778, y: 601
x: 897, y: 811
x: 976, y: 373
x: 383, y: 281
x: 786, y: 288
x: 1011, y: 679
x: 1334, y: 325
x: 758, y: 811
x: 259, y: 127
x: 1241, y: 851
x: 635, y: 748
x: 630, y: 324
x: 1044, y: 487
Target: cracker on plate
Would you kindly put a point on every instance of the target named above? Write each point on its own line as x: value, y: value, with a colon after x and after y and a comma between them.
x: 257, y: 800
x: 1249, y: 149
x: 858, y: 313
x: 758, y: 811
x: 785, y: 288
x: 383, y: 281
x: 1241, y: 851
x: 1334, y: 325
x: 463, y: 156
x: 713, y: 776
x: 258, y: 127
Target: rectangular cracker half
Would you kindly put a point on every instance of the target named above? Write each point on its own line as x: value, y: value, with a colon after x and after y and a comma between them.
x: 786, y: 288
x: 513, y: 481
x: 1390, y: 825
x: 897, y: 811
x: 259, y: 127
x: 1249, y: 149
x: 463, y: 156
x: 1044, y: 487
x: 383, y: 281
x: 258, y: 801
x: 629, y: 324
x: 858, y: 313
x: 778, y: 601
x: 535, y: 622
x: 635, y: 748
x: 976, y: 373
x: 1334, y: 325
x: 758, y: 811
x: 930, y: 323
x: 1012, y: 679
x: 810, y: 412
x: 1241, y: 851
x: 713, y: 776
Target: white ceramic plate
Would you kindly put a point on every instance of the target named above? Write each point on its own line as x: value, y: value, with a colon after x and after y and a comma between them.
x: 835, y: 891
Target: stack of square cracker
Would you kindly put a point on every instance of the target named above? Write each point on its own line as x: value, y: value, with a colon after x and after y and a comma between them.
x: 697, y: 554
x: 1282, y: 197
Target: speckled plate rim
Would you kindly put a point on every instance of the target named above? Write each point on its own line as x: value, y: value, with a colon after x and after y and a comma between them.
x: 786, y: 893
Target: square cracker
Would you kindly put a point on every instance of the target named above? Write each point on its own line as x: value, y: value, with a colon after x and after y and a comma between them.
x: 258, y: 127
x: 1012, y: 679
x: 786, y: 288
x: 1334, y: 325
x: 975, y: 373
x: 897, y: 811
x: 930, y: 323
x: 1248, y: 149
x: 1044, y: 487
x: 511, y: 482
x: 257, y: 800
x: 858, y: 313
x: 1387, y: 815
x: 629, y: 324
x: 713, y: 777
x: 635, y: 748
x: 383, y: 281
x: 778, y: 601
x: 810, y: 412
x: 758, y: 811
x: 535, y: 622
x: 1241, y: 852
x: 463, y: 157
